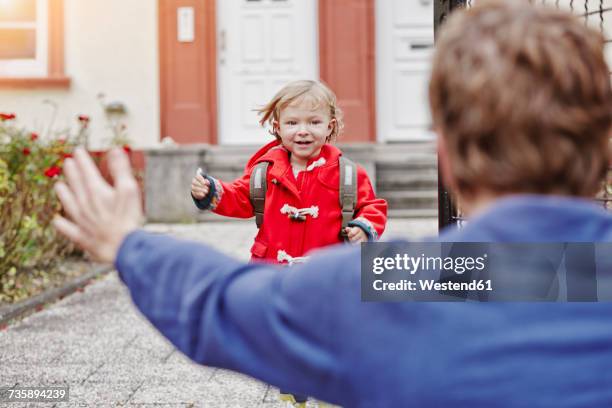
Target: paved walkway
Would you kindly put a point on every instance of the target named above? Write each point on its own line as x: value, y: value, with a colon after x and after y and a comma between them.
x: 97, y: 343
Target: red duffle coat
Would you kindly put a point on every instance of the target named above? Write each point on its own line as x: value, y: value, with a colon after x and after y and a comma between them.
x: 318, y: 186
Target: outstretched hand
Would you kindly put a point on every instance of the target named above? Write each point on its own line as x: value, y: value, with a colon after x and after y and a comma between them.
x: 100, y: 216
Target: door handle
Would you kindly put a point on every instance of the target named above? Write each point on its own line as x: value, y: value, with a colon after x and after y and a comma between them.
x: 222, y: 46
x: 420, y: 45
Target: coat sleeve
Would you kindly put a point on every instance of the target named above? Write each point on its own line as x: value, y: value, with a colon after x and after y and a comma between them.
x: 370, y: 211
x: 259, y: 319
x: 229, y: 199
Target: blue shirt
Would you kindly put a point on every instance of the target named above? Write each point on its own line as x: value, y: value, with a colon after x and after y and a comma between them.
x: 306, y: 329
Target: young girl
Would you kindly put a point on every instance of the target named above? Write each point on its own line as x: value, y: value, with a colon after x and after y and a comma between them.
x: 302, y: 207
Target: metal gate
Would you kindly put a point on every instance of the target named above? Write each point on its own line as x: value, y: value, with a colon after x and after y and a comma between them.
x: 595, y: 13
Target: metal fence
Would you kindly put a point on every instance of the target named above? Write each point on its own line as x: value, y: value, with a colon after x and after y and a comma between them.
x: 596, y: 13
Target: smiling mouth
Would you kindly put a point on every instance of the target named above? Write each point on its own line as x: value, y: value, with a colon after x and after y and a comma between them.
x: 303, y: 143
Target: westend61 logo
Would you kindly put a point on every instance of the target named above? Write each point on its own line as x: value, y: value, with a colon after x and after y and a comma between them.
x: 477, y: 271
x: 412, y: 264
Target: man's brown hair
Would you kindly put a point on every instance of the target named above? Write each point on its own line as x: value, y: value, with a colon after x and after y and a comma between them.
x: 521, y: 95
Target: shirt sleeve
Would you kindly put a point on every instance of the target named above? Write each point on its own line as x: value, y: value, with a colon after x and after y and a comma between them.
x: 370, y: 211
x: 264, y: 320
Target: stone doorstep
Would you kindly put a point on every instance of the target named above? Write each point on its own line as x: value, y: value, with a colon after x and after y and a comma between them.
x: 25, y: 307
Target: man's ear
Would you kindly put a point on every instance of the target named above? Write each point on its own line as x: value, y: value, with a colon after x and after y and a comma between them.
x: 444, y: 163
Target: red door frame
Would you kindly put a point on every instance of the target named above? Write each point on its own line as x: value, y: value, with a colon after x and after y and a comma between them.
x: 191, y: 121
x: 347, y: 63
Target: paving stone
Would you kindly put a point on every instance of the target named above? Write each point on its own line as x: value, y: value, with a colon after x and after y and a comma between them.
x: 185, y: 393
x: 34, y: 375
x: 154, y: 374
x: 96, y: 395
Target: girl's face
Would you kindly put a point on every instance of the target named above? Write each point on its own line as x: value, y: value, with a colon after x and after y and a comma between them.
x: 303, y: 131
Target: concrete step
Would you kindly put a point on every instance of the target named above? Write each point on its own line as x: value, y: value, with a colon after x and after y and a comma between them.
x: 413, y: 213
x: 406, y: 179
x: 411, y: 160
x: 208, y: 216
x: 407, y: 148
x: 407, y: 199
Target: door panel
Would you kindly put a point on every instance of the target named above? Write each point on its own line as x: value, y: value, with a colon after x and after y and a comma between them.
x: 405, y: 43
x: 187, y: 71
x: 262, y: 45
x: 346, y: 39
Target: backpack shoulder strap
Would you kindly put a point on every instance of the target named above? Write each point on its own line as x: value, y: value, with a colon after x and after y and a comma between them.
x: 348, y: 190
x: 257, y: 190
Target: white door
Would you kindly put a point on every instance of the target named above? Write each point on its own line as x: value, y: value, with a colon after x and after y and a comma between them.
x: 262, y: 45
x: 404, y: 42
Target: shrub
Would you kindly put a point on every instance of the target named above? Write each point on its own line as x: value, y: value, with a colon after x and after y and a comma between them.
x: 29, y: 166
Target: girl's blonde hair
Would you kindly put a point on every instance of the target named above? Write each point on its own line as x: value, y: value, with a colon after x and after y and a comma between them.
x: 297, y: 92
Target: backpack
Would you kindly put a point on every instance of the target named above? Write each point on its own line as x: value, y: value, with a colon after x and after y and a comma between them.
x: 347, y: 191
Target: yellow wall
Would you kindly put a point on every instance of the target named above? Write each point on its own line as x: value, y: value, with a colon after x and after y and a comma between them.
x: 110, y: 47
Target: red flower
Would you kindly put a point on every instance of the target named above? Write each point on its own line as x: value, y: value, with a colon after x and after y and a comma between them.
x: 53, y: 171
x: 33, y: 136
x: 127, y: 149
x: 66, y: 156
x: 26, y: 151
x: 7, y: 116
x: 83, y: 118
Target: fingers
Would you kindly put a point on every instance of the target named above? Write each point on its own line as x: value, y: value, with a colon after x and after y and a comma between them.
x: 79, y: 193
x: 67, y: 199
x: 82, y: 239
x: 126, y: 187
x: 120, y: 167
x: 90, y: 172
x: 98, y: 190
x: 352, y: 232
x: 356, y: 234
x: 200, y: 187
x: 71, y: 231
x: 201, y: 180
x: 199, y: 194
x: 70, y: 204
x: 128, y: 197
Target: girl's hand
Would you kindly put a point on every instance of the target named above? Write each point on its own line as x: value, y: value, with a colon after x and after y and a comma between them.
x: 200, y: 187
x: 356, y: 235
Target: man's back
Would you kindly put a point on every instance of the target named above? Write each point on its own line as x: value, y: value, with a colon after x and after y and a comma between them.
x: 488, y: 354
x: 268, y: 324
